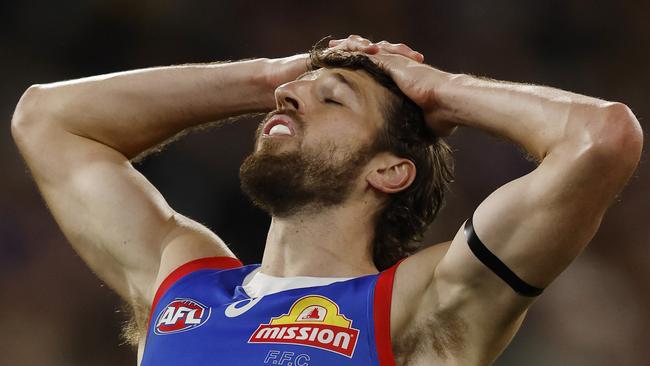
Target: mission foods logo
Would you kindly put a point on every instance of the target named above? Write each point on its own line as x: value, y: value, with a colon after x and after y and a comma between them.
x: 181, y: 315
x: 312, y: 321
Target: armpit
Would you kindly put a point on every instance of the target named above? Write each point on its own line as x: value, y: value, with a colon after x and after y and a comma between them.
x: 134, y: 327
x: 442, y: 334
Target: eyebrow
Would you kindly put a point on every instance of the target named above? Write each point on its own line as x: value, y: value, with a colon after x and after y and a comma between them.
x: 350, y: 84
x: 341, y: 78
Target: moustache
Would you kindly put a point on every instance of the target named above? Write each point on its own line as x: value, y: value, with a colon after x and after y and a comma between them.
x: 298, y: 122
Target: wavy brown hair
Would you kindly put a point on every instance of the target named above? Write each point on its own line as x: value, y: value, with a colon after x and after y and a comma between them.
x: 405, y: 216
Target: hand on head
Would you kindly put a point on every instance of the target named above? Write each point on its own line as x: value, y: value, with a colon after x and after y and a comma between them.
x: 360, y: 44
x: 405, y: 66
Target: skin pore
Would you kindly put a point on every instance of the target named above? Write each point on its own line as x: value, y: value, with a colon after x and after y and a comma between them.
x: 339, y: 112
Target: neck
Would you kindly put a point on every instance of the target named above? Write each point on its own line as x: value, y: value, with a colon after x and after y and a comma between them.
x: 333, y: 242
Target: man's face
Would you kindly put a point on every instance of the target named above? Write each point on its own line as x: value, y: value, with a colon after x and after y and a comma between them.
x: 311, y: 152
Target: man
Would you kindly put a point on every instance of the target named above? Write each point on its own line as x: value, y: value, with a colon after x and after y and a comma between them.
x: 339, y: 165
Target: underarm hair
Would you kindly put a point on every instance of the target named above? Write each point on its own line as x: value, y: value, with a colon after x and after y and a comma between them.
x: 134, y: 325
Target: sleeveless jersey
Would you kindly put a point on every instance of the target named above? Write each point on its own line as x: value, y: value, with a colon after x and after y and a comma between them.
x: 202, y: 316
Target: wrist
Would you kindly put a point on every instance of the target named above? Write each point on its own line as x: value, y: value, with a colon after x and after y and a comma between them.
x: 441, y: 82
x: 439, y: 113
x: 247, y: 83
x: 278, y: 71
x: 263, y: 83
x: 443, y: 92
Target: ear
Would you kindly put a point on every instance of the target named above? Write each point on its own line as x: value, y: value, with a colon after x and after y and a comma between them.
x: 391, y: 174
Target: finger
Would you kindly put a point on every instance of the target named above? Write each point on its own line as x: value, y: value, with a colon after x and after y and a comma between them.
x: 358, y: 38
x: 413, y: 55
x: 335, y: 42
x: 358, y: 41
x: 404, y: 47
x: 401, y: 49
x: 409, y: 52
x: 354, y: 45
x: 371, y: 49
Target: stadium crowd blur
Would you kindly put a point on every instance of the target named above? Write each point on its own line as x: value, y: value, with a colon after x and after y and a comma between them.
x: 54, y: 311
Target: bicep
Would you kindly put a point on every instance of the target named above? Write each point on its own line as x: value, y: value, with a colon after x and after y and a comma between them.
x: 113, y: 217
x: 536, y: 225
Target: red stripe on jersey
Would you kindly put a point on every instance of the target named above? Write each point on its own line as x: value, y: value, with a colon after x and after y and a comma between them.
x: 189, y: 267
x: 381, y: 315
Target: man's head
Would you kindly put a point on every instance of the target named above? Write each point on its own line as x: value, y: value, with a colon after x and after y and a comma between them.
x: 344, y: 131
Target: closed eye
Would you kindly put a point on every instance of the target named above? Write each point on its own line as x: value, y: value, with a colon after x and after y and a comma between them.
x: 332, y: 101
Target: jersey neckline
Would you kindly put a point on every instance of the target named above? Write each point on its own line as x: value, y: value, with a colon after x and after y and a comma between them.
x: 257, y: 284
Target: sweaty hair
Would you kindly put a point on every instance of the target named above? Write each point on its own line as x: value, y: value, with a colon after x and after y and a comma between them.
x: 405, y: 216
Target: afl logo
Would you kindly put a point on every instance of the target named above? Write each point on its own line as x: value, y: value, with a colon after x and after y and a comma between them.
x: 181, y: 315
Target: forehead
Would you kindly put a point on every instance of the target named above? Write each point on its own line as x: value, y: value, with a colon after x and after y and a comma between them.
x: 372, y: 95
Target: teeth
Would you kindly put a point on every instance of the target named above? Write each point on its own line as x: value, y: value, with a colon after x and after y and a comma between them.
x: 280, y: 130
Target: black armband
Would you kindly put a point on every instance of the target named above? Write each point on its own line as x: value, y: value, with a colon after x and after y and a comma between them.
x: 496, y: 265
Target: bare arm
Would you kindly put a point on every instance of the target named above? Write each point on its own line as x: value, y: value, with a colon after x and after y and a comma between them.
x: 537, y: 224
x: 77, y: 138
x: 135, y: 110
x: 553, y: 212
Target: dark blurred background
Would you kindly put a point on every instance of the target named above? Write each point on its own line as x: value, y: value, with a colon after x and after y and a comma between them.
x: 54, y: 311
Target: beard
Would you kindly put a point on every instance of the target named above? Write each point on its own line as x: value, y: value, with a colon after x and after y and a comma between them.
x: 286, y: 183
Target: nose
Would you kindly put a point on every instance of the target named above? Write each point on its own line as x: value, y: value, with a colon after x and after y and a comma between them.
x: 287, y: 96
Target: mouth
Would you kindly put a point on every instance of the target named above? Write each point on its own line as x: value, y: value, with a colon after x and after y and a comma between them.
x: 280, y: 125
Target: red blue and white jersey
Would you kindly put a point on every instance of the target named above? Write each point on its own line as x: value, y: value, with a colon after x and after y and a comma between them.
x: 201, y: 316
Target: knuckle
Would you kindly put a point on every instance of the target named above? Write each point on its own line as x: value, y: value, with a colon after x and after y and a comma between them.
x: 359, y: 39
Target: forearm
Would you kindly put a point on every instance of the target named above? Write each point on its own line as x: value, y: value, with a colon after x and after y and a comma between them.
x: 135, y: 110
x: 536, y: 117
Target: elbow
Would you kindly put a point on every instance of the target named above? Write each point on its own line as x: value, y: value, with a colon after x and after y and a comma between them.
x: 26, y: 113
x: 615, y: 138
x: 33, y: 116
x: 625, y: 136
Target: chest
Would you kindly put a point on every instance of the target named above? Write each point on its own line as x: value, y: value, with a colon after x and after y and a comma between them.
x: 204, y: 321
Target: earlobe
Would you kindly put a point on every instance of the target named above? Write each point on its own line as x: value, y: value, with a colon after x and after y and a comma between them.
x: 393, y: 177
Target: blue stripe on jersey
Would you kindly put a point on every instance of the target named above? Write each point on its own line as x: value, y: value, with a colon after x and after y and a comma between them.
x: 206, y: 318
